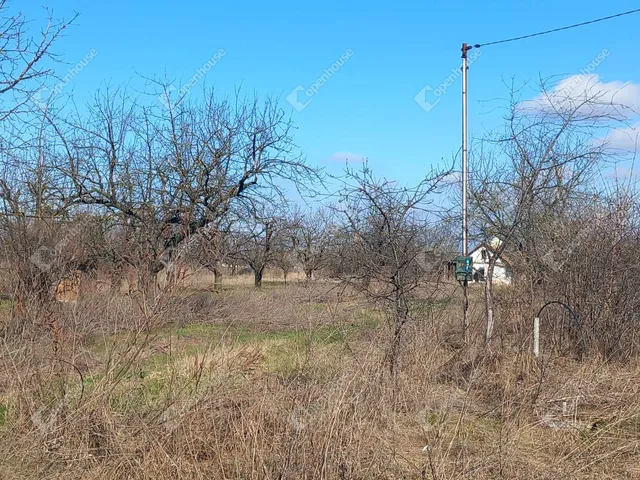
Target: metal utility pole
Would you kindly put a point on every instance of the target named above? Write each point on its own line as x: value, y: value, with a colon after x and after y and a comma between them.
x: 465, y: 175
x: 464, y: 264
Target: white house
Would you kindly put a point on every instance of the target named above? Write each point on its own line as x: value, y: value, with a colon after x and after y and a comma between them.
x: 502, y: 272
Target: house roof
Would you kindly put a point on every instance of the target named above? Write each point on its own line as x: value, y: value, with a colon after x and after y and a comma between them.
x: 486, y: 246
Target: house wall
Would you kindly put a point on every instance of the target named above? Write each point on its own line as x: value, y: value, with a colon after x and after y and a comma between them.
x: 501, y: 272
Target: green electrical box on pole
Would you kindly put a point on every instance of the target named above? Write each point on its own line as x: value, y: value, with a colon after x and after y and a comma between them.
x: 464, y: 269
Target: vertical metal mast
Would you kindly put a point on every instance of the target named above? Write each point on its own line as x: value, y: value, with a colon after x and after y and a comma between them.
x: 465, y: 209
x: 465, y: 171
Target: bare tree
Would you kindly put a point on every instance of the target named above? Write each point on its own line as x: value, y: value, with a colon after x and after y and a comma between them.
x: 284, y: 258
x: 32, y: 216
x: 170, y: 172
x: 311, y: 236
x: 542, y: 163
x: 386, y: 227
x: 261, y: 240
x: 212, y: 249
x: 25, y: 60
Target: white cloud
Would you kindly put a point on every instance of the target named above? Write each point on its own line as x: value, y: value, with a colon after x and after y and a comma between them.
x: 624, y: 139
x: 614, y: 98
x: 346, y: 157
x: 452, y: 177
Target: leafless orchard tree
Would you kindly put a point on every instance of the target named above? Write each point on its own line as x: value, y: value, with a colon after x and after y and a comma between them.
x: 42, y: 242
x: 25, y: 60
x: 170, y: 172
x: 284, y: 258
x: 211, y: 248
x: 261, y: 240
x: 311, y: 238
x: 541, y: 167
x: 31, y: 215
x: 386, y: 230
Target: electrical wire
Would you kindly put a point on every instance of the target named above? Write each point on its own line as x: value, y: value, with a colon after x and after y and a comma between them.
x: 558, y: 29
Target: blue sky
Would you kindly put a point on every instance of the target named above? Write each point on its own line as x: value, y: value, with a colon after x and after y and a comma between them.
x: 366, y: 107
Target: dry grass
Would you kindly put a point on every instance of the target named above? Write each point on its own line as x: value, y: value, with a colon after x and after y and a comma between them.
x: 290, y: 383
x: 203, y: 278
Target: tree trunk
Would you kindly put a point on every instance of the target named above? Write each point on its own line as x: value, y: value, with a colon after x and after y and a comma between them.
x: 401, y: 316
x: 488, y: 300
x: 284, y: 274
x: 309, y: 274
x: 257, y: 275
x: 146, y: 283
x: 217, y: 278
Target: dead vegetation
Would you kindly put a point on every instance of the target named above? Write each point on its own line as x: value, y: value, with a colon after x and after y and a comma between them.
x: 291, y: 382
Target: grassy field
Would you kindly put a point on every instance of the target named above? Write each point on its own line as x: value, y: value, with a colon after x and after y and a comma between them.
x: 291, y: 382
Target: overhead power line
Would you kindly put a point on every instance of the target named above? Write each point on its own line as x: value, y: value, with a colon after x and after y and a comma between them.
x: 558, y: 29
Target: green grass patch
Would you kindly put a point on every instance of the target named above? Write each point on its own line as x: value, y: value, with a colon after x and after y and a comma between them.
x: 321, y: 335
x: 316, y: 307
x: 429, y: 307
x: 5, y: 304
x: 368, y: 319
x: 4, y: 413
x: 204, y: 334
x: 91, y: 380
x: 163, y: 368
x: 198, y: 330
